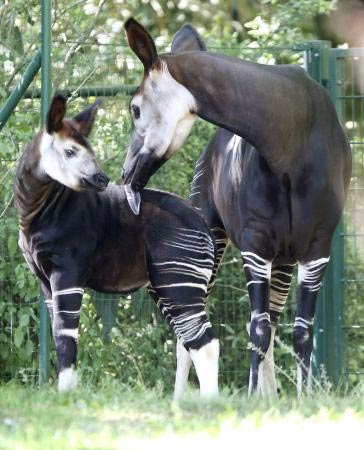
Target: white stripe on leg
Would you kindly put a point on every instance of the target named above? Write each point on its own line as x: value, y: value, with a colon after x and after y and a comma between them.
x: 206, y: 362
x: 183, y: 367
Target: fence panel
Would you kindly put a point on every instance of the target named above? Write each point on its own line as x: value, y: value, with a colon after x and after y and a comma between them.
x: 347, y: 90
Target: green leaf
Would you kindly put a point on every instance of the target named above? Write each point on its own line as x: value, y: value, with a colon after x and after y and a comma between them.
x: 29, y: 347
x: 24, y: 321
x: 12, y: 244
x: 18, y: 337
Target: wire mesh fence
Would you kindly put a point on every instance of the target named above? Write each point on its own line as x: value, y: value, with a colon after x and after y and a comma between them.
x: 109, y: 342
x: 347, y: 81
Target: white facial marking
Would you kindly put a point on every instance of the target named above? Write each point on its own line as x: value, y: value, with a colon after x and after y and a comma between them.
x: 165, y: 113
x: 67, y: 379
x: 206, y: 362
x: 56, y: 164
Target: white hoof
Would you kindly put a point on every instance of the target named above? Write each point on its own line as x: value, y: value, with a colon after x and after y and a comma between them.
x: 206, y: 362
x: 67, y: 379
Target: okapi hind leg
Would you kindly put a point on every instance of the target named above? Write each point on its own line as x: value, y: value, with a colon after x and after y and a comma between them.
x: 183, y: 358
x: 280, y: 282
x: 221, y: 240
x: 184, y: 362
x: 310, y: 275
x: 180, y: 267
x: 257, y: 271
x: 194, y: 332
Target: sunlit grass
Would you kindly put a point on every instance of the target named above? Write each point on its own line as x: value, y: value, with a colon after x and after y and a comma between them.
x: 114, y: 416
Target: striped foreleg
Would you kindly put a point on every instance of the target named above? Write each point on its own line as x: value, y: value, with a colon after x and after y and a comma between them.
x: 281, y: 277
x: 66, y: 317
x: 310, y: 275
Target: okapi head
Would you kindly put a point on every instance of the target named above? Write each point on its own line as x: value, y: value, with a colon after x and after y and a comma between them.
x: 162, y: 110
x: 65, y: 155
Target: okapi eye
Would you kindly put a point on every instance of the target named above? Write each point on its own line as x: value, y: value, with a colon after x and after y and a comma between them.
x: 136, y: 111
x: 69, y: 152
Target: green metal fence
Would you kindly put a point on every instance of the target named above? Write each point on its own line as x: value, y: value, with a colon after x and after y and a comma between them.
x: 112, y: 72
x: 346, y: 85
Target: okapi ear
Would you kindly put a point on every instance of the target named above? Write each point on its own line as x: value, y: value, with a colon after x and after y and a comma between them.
x: 141, y: 43
x: 56, y: 113
x: 84, y: 120
x: 187, y: 39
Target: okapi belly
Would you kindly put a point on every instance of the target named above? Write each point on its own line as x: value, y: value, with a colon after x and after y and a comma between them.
x: 118, y: 278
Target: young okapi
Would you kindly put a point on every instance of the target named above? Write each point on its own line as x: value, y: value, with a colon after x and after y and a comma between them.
x: 76, y: 232
x: 273, y: 181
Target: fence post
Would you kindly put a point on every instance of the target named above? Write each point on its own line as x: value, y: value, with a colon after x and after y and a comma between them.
x: 29, y: 74
x: 328, y: 335
x: 46, y: 88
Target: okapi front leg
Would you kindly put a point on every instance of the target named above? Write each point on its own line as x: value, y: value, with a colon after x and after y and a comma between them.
x: 67, y: 300
x: 257, y: 272
x: 310, y: 276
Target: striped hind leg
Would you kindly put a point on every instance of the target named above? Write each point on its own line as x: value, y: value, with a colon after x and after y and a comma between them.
x: 257, y: 271
x: 310, y: 275
x: 281, y: 276
x: 183, y: 358
x: 180, y: 271
x: 221, y: 241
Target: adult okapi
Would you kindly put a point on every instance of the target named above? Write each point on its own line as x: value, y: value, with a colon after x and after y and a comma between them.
x: 273, y: 180
x: 76, y: 232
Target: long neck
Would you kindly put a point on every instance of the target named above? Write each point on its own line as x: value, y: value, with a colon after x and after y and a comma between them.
x: 31, y: 188
x: 260, y: 103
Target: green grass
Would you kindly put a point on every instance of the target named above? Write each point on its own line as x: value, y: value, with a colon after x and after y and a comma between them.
x: 114, y: 416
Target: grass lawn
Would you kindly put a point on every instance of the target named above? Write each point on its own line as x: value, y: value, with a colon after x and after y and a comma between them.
x: 113, y: 416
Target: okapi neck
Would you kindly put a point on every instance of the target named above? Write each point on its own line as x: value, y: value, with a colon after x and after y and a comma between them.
x: 31, y: 189
x: 255, y: 101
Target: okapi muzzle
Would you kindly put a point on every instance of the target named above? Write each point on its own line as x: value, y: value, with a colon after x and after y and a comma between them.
x: 97, y: 181
x: 138, y: 168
